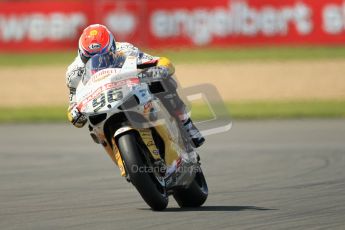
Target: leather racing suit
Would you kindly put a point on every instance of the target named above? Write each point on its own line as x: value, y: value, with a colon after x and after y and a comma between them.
x: 165, y: 68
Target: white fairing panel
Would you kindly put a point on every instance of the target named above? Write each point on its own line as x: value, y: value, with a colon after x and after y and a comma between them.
x: 108, y: 88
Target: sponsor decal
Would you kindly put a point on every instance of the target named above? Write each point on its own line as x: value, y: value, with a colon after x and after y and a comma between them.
x: 93, y: 32
x: 150, y: 143
x: 147, y: 107
x: 94, y: 46
x: 105, y: 87
x: 102, y: 74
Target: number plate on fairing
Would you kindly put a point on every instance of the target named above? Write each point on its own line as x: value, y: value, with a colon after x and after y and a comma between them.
x: 107, y: 96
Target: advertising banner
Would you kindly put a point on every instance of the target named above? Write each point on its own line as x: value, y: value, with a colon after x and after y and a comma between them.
x: 251, y: 22
x: 55, y: 25
x: 41, y: 25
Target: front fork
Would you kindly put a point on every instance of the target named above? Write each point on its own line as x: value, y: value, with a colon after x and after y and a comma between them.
x: 170, y: 154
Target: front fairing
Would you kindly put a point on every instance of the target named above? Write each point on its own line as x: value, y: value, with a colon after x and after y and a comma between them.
x: 108, y: 84
x: 111, y: 92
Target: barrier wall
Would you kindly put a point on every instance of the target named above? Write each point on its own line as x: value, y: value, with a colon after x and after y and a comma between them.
x: 55, y: 25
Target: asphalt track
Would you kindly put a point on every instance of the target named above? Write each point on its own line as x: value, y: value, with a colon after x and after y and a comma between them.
x: 261, y: 174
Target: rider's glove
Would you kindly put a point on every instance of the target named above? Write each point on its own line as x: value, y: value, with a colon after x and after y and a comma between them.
x: 157, y: 72
x: 75, y: 117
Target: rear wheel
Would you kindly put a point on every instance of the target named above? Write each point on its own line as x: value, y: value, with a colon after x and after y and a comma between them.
x: 195, y: 195
x: 140, y: 174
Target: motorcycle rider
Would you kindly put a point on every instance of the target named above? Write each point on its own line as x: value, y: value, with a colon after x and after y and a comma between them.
x: 97, y: 39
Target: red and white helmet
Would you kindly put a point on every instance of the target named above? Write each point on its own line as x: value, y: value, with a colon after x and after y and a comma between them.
x: 95, y: 39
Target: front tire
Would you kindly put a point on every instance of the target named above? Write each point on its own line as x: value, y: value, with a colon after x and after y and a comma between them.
x: 143, y: 180
x: 195, y: 195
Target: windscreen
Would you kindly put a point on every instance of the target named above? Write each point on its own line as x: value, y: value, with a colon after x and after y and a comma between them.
x: 102, y: 61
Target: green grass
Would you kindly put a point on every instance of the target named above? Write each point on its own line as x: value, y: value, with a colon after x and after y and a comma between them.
x: 311, y: 109
x: 277, y: 110
x: 56, y: 58
x: 33, y: 114
x: 254, y: 53
x: 192, y: 55
x: 237, y: 110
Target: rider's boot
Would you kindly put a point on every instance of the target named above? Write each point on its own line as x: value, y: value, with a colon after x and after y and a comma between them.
x: 177, y: 109
x: 193, y: 132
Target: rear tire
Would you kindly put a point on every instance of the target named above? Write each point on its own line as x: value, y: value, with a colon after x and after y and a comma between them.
x: 143, y: 180
x: 195, y: 195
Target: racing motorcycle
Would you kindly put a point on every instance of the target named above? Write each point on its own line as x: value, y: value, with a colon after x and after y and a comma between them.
x: 137, y: 131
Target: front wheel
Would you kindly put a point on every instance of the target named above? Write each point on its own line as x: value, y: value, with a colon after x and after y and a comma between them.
x: 195, y: 195
x: 143, y: 180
